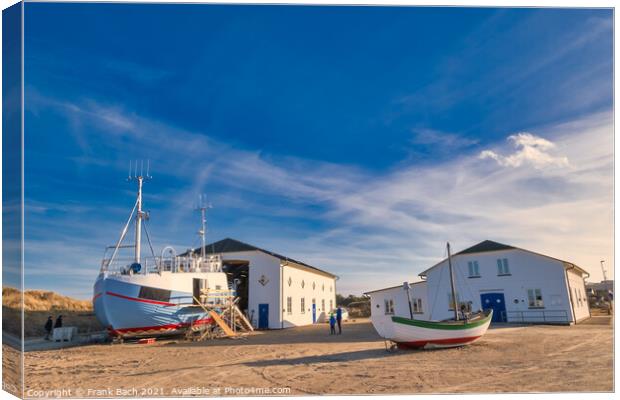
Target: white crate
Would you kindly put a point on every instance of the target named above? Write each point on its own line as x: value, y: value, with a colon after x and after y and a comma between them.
x: 64, y: 334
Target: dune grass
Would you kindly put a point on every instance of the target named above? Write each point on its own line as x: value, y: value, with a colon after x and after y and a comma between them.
x: 38, y: 305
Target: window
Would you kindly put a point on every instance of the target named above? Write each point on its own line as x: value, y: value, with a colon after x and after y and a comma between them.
x: 474, y: 271
x: 303, y: 283
x: 535, y: 299
x: 331, y: 305
x: 303, y: 305
x: 451, y: 300
x: 290, y: 281
x: 289, y: 305
x: 313, y: 285
x: 502, y: 266
x: 323, y: 305
x: 156, y: 294
x: 389, y: 306
x: 323, y: 287
x: 417, y: 306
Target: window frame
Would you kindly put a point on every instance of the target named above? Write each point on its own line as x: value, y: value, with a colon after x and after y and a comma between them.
x: 155, y: 294
x: 503, y: 268
x: 417, y: 306
x: 451, y: 301
x: 538, y: 303
x: 389, y: 306
x: 289, y: 305
x: 473, y: 269
x: 302, y: 303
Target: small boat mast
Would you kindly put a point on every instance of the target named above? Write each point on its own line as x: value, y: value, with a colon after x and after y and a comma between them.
x: 454, y: 301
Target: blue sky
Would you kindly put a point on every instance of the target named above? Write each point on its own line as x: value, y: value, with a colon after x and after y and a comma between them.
x: 358, y: 139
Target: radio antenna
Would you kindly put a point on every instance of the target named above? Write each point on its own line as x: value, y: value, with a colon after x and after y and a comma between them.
x: 202, y: 207
x: 140, y: 215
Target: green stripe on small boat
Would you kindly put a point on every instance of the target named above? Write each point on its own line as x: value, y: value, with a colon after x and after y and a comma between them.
x: 442, y: 325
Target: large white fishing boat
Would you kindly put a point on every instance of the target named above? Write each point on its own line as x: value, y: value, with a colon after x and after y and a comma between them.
x: 156, y: 295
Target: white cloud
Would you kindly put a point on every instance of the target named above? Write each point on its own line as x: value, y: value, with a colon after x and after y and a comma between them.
x: 381, y: 229
x: 530, y: 150
x: 443, y: 139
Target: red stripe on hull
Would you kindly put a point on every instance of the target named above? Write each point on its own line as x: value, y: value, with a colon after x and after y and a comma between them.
x: 119, y: 332
x: 95, y: 297
x: 440, y: 342
x: 161, y: 303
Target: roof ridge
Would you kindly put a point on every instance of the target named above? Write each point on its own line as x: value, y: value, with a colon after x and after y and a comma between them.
x: 211, y: 247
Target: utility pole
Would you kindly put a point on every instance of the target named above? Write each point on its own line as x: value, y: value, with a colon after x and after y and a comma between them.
x: 603, y: 268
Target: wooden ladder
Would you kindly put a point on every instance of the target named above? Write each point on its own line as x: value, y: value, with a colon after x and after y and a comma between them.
x: 220, y: 322
x: 244, y: 321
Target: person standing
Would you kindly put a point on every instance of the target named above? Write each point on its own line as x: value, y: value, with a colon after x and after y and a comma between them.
x: 58, y: 323
x: 339, y: 319
x: 332, y: 324
x: 48, y: 327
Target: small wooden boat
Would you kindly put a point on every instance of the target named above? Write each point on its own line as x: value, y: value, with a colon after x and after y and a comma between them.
x: 421, y: 334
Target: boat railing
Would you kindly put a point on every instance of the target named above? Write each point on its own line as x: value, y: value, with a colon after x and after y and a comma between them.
x: 149, y: 265
x: 537, y: 316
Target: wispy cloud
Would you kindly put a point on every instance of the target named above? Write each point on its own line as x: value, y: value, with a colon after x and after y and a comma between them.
x: 376, y: 229
x: 445, y: 140
x: 518, y: 80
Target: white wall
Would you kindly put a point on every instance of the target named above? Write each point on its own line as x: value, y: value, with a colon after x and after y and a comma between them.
x: 315, y: 286
x: 528, y: 271
x: 401, y: 303
x: 262, y: 264
x: 269, y: 266
x: 579, y: 296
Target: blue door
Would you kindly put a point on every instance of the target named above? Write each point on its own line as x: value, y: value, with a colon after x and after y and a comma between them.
x: 313, y: 313
x: 263, y: 316
x: 497, y: 303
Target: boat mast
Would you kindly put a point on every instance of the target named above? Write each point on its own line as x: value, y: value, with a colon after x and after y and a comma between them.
x: 203, y: 230
x: 454, y: 302
x: 139, y: 213
x: 138, y: 222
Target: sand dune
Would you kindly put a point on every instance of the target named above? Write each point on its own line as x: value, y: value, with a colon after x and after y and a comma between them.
x: 38, y: 305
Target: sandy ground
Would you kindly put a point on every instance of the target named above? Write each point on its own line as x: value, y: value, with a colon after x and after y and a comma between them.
x: 308, y: 361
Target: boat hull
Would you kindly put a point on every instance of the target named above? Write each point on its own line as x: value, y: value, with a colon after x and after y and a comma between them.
x: 418, y: 334
x: 120, y: 308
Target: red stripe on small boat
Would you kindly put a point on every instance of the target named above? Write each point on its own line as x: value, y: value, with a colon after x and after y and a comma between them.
x: 422, y: 343
x: 161, y: 303
x: 159, y: 327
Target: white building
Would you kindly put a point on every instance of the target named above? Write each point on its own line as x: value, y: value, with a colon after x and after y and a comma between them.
x: 396, y: 301
x: 519, y: 285
x: 275, y: 291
